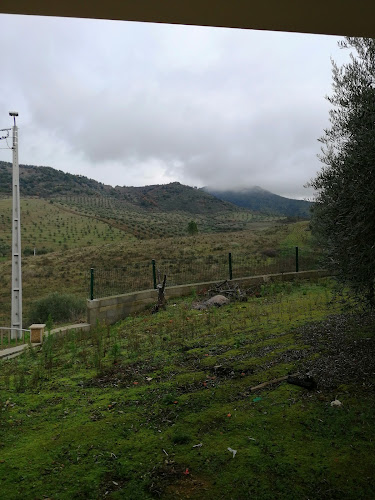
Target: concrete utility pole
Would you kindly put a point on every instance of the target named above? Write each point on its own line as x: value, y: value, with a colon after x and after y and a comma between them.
x: 16, y: 313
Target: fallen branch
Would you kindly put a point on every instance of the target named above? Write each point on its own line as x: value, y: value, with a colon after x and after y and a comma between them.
x: 270, y: 382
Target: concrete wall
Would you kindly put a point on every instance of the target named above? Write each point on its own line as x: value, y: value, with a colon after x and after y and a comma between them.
x: 63, y: 330
x: 109, y: 310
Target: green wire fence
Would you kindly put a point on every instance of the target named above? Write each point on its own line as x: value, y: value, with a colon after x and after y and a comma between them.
x: 145, y: 276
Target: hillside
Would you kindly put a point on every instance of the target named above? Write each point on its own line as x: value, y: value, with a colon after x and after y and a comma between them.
x: 67, y: 268
x: 260, y: 200
x: 60, y: 211
x: 47, y: 182
x: 173, y: 197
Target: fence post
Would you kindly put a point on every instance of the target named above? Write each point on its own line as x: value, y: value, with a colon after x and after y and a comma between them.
x: 154, y: 273
x: 92, y: 283
x: 297, y: 266
x: 230, y: 265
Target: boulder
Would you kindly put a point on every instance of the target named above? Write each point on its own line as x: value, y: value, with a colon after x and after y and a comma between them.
x: 217, y: 300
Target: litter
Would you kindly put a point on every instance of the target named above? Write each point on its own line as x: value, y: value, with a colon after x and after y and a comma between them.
x: 336, y: 402
x: 232, y: 451
x: 199, y: 445
x: 257, y: 399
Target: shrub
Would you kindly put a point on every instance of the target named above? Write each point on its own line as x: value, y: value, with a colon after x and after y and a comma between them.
x: 269, y: 252
x: 61, y: 306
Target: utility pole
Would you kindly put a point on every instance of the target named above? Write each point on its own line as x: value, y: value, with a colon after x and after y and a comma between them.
x: 16, y: 312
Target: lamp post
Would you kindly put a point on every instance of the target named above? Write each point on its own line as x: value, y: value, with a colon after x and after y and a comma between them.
x: 16, y: 311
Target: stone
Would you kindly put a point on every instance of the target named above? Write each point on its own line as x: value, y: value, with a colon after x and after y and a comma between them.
x: 217, y: 300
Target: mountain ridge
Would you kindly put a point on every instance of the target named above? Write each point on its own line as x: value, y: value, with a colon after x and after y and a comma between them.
x: 47, y: 182
x: 258, y: 199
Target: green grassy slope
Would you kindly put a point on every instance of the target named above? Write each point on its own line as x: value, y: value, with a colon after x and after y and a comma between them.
x: 155, y: 406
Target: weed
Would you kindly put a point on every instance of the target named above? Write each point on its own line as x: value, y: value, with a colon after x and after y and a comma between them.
x: 115, y: 353
x: 19, y: 381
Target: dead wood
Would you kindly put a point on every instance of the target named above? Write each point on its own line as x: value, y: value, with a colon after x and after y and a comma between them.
x: 161, y: 297
x: 274, y: 381
x: 229, y: 290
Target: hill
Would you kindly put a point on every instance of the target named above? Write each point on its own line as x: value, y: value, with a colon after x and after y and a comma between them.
x: 60, y: 211
x: 47, y: 182
x: 173, y: 197
x: 264, y: 201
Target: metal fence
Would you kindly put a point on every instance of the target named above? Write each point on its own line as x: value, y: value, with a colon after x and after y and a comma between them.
x: 137, y: 277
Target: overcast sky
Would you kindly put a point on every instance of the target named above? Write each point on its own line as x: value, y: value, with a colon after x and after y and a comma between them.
x: 135, y: 103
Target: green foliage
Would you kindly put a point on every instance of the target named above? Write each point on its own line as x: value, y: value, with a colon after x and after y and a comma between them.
x: 115, y: 352
x: 49, y: 323
x: 192, y: 228
x: 61, y: 306
x: 344, y: 212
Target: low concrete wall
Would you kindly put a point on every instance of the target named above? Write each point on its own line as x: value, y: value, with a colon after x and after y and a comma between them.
x: 63, y: 330
x: 109, y: 310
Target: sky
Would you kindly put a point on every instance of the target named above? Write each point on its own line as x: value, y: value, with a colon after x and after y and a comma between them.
x: 136, y: 104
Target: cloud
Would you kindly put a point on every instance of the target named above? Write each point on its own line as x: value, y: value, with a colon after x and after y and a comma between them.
x: 133, y: 103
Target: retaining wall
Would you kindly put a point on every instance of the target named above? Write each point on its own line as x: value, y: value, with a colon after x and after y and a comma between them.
x: 109, y: 310
x: 63, y: 330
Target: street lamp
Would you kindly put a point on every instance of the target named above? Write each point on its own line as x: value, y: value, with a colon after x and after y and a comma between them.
x: 16, y: 311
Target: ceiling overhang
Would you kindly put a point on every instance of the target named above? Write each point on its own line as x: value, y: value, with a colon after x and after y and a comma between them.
x: 333, y: 17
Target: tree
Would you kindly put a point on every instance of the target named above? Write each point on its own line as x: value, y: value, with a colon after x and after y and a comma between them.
x: 343, y: 216
x: 192, y: 228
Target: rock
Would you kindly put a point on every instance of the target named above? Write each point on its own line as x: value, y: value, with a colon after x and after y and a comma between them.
x: 306, y: 382
x: 217, y: 300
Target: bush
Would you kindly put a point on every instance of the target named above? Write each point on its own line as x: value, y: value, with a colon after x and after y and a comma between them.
x: 61, y: 306
x: 269, y: 252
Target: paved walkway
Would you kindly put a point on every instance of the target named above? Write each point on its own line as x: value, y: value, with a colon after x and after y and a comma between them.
x: 12, y: 352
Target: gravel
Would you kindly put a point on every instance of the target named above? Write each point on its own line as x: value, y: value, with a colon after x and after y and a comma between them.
x: 346, y: 348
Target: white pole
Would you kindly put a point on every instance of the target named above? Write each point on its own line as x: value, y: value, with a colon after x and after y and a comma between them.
x: 16, y: 312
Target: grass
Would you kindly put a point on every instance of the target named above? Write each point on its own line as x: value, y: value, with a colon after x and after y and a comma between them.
x: 68, y: 270
x: 149, y: 407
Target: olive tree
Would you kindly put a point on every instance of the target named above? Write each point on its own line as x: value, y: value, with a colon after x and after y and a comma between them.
x: 192, y: 228
x: 343, y: 216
